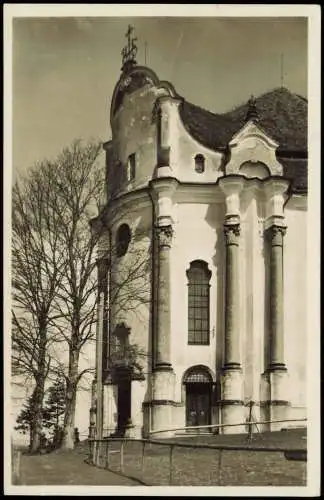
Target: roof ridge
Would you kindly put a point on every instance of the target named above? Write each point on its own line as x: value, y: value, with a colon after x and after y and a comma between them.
x: 245, y: 103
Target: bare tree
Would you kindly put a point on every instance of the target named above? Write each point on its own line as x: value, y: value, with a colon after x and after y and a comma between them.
x: 79, y: 181
x: 37, y: 269
x: 71, y: 189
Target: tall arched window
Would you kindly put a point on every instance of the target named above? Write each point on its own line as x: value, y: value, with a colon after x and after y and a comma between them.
x: 198, y: 303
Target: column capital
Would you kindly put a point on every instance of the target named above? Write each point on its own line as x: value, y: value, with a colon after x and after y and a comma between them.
x: 275, y: 186
x: 275, y: 234
x: 231, y: 186
x: 164, y: 234
x: 232, y: 233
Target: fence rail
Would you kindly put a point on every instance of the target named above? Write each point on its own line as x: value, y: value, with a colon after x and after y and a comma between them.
x: 219, y: 426
x: 166, y: 462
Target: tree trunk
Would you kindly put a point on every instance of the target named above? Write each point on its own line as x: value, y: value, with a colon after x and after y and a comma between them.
x: 38, y: 395
x: 70, y: 402
x: 37, y: 410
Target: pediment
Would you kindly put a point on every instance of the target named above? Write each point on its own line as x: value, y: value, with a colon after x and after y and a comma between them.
x: 252, y: 130
x: 252, y: 145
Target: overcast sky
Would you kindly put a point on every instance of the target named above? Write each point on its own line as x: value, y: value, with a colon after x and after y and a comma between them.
x: 65, y: 69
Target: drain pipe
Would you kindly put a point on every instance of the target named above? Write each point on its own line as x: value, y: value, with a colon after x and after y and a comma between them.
x: 153, y: 301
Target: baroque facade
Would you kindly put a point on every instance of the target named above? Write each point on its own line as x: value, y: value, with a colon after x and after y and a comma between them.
x: 201, y: 262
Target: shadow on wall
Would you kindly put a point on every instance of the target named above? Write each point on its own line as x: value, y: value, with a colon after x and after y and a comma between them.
x: 214, y: 217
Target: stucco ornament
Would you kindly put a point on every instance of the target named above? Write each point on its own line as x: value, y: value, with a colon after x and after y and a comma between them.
x: 275, y: 234
x: 125, y: 82
x: 252, y: 145
x: 232, y: 233
x: 164, y: 234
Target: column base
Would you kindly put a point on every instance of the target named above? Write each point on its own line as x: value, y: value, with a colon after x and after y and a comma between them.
x: 233, y: 412
x: 163, y: 382
x: 162, y: 418
x: 276, y: 406
x: 162, y: 367
x: 275, y: 410
x: 163, y: 399
x: 232, y: 404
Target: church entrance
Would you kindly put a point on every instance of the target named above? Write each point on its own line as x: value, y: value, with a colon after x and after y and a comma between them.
x: 124, y: 404
x: 198, y: 387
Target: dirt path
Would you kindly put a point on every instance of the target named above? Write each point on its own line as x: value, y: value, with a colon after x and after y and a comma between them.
x: 67, y: 468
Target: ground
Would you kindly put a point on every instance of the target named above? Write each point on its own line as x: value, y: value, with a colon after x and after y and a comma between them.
x: 190, y: 467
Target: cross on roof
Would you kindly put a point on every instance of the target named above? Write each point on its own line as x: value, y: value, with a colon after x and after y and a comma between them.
x: 130, y: 50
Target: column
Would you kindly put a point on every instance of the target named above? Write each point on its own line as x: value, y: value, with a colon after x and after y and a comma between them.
x: 164, y: 236
x: 232, y: 300
x: 276, y: 341
x: 163, y: 375
x: 276, y: 370
x: 276, y: 375
x: 232, y: 405
x: 102, y: 272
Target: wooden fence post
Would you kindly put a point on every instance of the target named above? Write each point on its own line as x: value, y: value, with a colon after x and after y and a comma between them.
x: 170, y: 464
x: 94, y: 451
x: 107, y: 454
x: 122, y: 457
x: 220, y: 467
x: 143, y: 457
x: 15, y: 464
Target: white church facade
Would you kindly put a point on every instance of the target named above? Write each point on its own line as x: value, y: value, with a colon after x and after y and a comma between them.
x: 201, y: 262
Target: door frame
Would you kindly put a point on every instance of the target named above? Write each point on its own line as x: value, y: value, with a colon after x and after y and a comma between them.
x: 201, y: 376
x: 206, y: 390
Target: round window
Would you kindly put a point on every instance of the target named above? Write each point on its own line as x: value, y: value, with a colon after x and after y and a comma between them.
x: 123, y: 238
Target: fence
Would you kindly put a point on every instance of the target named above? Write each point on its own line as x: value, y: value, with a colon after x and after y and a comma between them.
x: 251, y: 425
x: 166, y: 462
x: 15, y: 464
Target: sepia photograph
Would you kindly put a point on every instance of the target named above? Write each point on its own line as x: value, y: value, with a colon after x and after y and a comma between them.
x: 161, y: 188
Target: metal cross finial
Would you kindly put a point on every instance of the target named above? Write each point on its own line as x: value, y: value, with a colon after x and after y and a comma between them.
x: 129, y: 52
x: 252, y: 112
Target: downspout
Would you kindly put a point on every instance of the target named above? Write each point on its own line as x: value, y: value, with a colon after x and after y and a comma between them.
x: 153, y: 300
x: 108, y: 340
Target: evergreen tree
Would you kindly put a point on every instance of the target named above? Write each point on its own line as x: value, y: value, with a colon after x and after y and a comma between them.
x: 54, y: 409
x: 25, y: 417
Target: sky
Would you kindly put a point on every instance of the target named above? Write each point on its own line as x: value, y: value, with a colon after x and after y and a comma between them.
x: 64, y: 69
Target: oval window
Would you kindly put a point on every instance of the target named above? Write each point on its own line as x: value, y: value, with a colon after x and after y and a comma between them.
x: 123, y: 238
x: 199, y: 163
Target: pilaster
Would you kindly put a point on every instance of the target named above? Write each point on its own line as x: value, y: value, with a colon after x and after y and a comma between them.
x: 163, y: 375
x: 276, y: 373
x: 232, y: 405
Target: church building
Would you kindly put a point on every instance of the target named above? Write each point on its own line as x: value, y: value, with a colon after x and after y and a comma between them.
x: 201, y: 262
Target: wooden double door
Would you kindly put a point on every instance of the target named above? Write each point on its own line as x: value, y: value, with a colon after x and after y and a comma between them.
x: 124, y: 404
x: 198, y: 404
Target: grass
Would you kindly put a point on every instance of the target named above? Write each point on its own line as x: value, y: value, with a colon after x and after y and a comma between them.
x: 66, y: 468
x: 204, y: 467
x: 191, y: 467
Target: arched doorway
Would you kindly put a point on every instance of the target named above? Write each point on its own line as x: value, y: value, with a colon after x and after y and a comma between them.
x: 198, y: 385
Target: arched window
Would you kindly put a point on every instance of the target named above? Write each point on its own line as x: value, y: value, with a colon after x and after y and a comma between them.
x: 131, y: 167
x: 198, y: 303
x: 120, y: 339
x: 199, y: 163
x: 123, y: 238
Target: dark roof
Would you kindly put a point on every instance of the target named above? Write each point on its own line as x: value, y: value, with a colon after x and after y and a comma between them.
x: 295, y: 170
x: 282, y: 115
